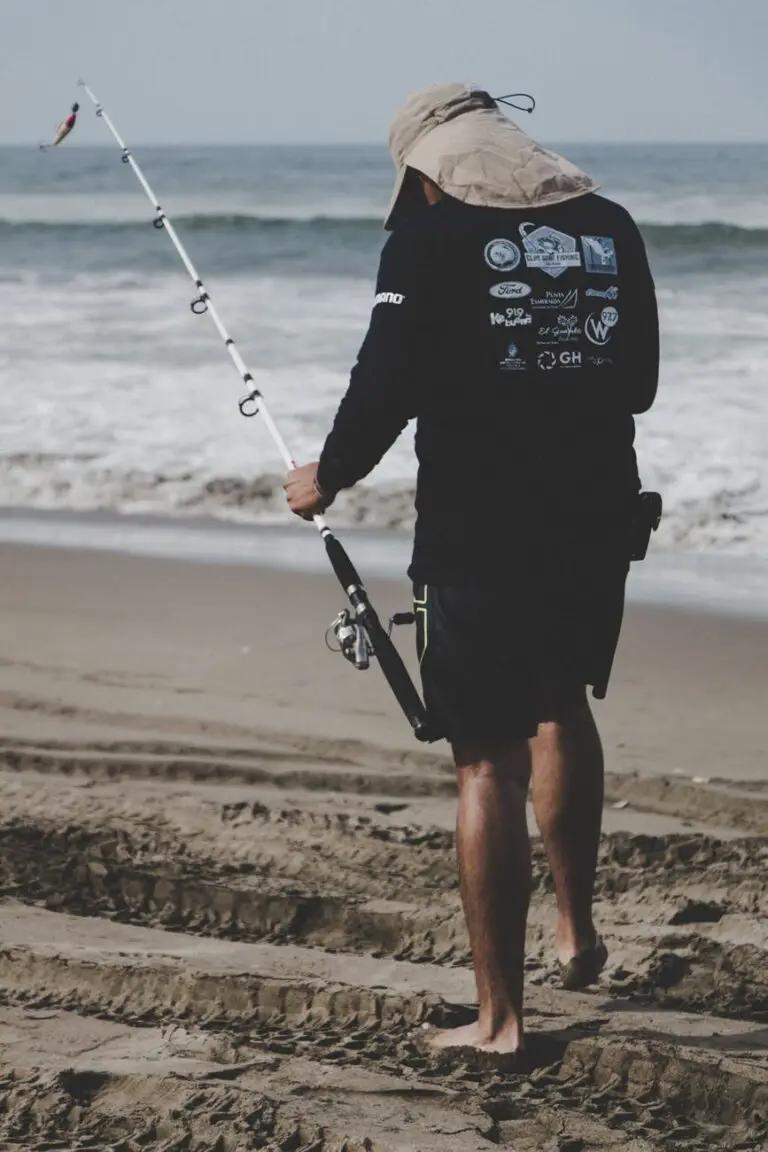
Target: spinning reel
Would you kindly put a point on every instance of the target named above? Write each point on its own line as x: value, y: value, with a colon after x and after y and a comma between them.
x: 353, y: 641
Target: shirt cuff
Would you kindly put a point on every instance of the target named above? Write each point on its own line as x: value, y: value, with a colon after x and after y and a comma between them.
x: 328, y: 480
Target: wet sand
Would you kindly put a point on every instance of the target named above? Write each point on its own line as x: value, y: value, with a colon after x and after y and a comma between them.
x: 229, y: 901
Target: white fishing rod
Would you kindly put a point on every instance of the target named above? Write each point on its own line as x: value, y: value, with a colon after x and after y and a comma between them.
x: 360, y: 634
x: 202, y: 303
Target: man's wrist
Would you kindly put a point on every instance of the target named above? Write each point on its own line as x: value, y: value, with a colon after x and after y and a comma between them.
x: 326, y: 497
x: 325, y: 485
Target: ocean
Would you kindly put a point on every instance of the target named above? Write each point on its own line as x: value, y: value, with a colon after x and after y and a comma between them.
x: 115, y: 398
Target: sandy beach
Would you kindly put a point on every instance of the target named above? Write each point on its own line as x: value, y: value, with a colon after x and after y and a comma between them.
x: 229, y: 902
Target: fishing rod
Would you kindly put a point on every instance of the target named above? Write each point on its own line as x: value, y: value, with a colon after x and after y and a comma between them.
x: 359, y: 633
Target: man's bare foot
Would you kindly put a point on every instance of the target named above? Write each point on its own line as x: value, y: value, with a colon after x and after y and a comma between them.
x: 584, y: 968
x: 570, y: 944
x: 507, y: 1040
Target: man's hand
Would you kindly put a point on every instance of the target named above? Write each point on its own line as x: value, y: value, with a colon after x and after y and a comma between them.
x: 305, y: 498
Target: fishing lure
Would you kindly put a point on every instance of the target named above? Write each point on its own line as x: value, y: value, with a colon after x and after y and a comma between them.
x: 63, y: 129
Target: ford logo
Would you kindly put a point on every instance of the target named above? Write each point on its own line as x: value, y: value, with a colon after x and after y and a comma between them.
x: 510, y: 290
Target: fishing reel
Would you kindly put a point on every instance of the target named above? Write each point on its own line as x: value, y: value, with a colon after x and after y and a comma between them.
x: 352, y: 639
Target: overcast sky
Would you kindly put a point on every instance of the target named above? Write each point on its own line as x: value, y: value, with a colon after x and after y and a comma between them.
x: 335, y: 70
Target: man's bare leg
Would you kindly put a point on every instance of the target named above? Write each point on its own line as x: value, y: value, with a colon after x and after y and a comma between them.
x: 567, y: 766
x: 495, y: 872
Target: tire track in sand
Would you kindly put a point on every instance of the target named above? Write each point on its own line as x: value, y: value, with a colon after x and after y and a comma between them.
x: 616, y: 1069
x: 352, y: 767
x: 632, y: 1072
x: 348, y: 882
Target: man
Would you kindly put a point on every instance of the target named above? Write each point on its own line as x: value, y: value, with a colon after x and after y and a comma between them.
x: 515, y: 318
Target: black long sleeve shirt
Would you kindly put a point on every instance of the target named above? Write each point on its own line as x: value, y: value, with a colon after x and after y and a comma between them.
x: 522, y: 342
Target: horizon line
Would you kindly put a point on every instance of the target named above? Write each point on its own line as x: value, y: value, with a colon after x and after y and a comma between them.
x: 382, y: 144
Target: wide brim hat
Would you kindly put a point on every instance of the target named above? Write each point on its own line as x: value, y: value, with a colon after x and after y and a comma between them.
x: 457, y: 136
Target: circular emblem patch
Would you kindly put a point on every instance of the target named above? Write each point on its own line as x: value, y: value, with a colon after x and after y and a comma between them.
x: 502, y: 255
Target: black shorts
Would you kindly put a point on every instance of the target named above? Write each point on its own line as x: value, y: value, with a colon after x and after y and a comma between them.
x: 496, y: 662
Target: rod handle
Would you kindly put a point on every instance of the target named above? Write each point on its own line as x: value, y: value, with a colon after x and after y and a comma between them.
x: 390, y: 660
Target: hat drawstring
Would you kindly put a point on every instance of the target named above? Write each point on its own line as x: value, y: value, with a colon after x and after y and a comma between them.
x: 508, y: 100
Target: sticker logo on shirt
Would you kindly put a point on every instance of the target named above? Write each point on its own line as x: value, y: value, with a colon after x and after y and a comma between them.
x: 513, y: 362
x: 599, y: 361
x: 510, y: 290
x: 548, y: 360
x: 600, y: 255
x: 564, y: 330
x: 559, y: 300
x: 389, y: 298
x: 599, y: 326
x: 611, y: 293
x: 551, y: 251
x: 511, y: 318
x: 502, y: 255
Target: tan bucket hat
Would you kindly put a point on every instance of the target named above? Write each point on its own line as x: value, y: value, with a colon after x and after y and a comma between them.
x: 456, y: 135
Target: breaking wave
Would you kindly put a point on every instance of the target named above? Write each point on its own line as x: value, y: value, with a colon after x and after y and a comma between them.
x: 52, y: 481
x: 326, y: 244
x: 242, y: 222
x: 728, y: 519
x: 704, y: 237
x: 701, y: 236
